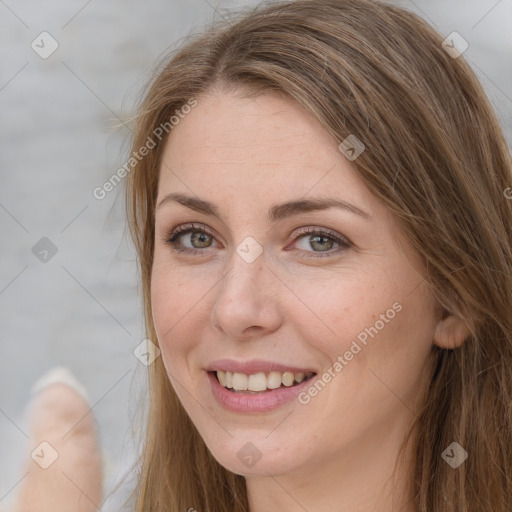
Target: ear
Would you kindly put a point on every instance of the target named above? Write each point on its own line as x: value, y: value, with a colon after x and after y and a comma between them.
x: 451, y: 331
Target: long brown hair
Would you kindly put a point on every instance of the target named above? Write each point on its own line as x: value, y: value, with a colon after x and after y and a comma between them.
x: 435, y: 155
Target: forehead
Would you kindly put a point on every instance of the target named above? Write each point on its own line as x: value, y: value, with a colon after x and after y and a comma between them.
x: 265, y: 149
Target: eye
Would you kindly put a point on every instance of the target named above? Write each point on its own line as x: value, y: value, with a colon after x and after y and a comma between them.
x: 323, y: 239
x: 198, y: 234
x: 320, y: 239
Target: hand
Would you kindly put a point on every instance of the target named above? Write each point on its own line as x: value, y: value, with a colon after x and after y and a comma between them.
x: 64, y: 468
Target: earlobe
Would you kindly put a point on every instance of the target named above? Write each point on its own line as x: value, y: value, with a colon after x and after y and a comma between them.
x: 451, y: 332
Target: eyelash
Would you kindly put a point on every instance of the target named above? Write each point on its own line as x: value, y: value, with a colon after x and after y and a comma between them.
x: 172, y: 237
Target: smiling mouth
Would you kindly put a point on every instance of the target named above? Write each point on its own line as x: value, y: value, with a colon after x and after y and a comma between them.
x: 258, y: 383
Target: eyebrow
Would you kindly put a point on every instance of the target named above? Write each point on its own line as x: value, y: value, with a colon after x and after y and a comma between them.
x: 275, y: 213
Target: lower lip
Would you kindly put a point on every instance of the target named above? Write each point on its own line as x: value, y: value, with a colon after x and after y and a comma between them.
x: 247, y: 402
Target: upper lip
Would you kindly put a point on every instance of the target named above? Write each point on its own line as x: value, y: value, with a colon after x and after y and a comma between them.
x: 254, y: 366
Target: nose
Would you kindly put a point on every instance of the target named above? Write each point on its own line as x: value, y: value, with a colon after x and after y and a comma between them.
x: 247, y: 303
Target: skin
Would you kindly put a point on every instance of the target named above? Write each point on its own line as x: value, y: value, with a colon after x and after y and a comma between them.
x: 336, y: 453
x: 73, y: 481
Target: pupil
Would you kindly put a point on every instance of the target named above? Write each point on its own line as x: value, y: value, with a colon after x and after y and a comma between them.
x: 316, y: 238
x: 201, y: 237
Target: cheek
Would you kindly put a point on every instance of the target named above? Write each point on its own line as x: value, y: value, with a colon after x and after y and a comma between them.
x: 410, y: 335
x: 382, y: 321
x: 171, y: 303
x: 332, y: 312
x: 392, y: 359
x: 179, y: 307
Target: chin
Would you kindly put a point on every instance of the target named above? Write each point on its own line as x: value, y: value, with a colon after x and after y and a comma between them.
x: 256, y: 455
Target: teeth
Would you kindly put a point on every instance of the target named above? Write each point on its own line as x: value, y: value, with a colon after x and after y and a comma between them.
x: 274, y: 380
x: 259, y: 382
x: 288, y: 379
x: 299, y: 377
x: 240, y: 381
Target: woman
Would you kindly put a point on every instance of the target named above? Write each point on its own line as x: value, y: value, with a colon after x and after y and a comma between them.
x: 375, y: 376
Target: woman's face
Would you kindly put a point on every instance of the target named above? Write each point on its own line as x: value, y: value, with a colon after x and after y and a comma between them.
x: 276, y: 290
